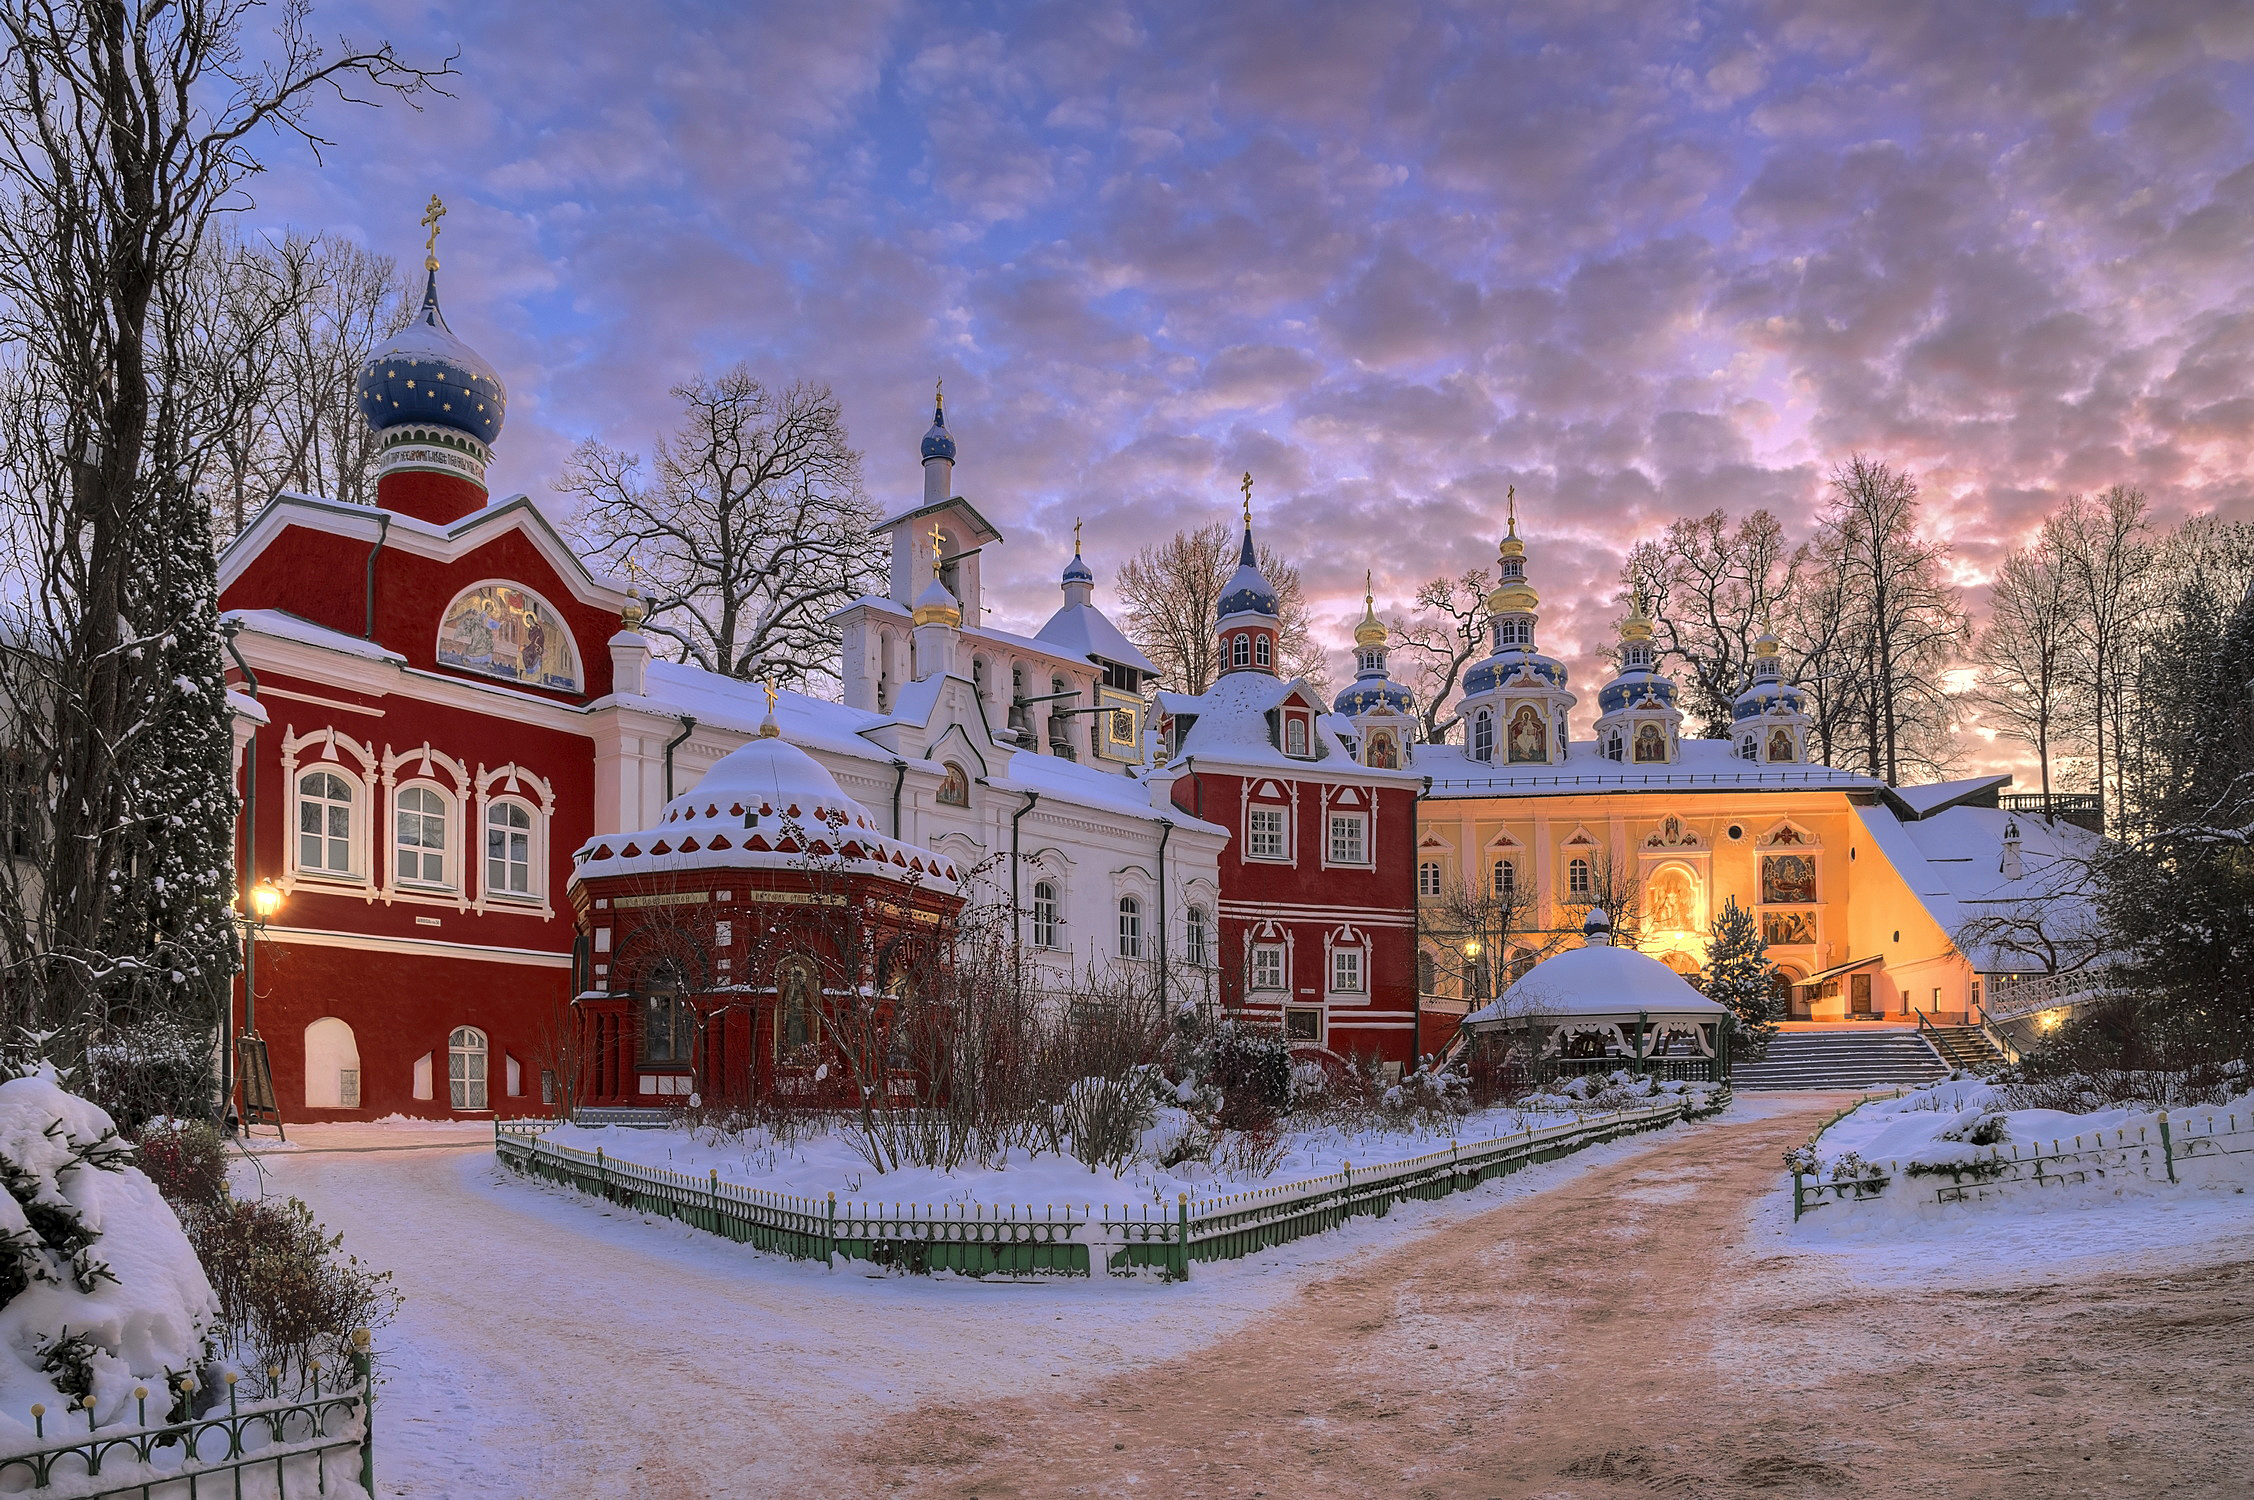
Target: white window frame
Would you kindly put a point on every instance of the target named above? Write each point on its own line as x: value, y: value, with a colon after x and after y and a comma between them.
x: 1197, y: 937
x: 532, y: 892
x: 1359, y: 825
x: 1428, y: 877
x: 1256, y: 843
x: 1269, y: 970
x: 1504, y: 877
x: 1130, y: 926
x: 1240, y: 650
x: 448, y: 816
x: 460, y: 1086
x: 1263, y: 654
x: 1048, y: 921
x: 1349, y: 969
x: 1482, y: 744
x: 1580, y: 876
x: 1296, y: 736
x: 355, y: 819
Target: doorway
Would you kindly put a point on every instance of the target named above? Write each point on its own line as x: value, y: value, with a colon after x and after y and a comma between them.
x: 1859, y: 997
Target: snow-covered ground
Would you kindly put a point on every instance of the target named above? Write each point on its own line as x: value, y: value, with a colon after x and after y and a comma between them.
x: 2111, y: 1194
x: 577, y: 1349
x: 828, y: 1159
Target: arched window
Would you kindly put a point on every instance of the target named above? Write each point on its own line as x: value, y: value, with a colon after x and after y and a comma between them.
x: 332, y: 1065
x: 1577, y: 882
x: 324, y: 823
x: 1651, y: 744
x: 798, y: 1020
x: 1295, y: 736
x: 1506, y: 877
x: 1483, y: 735
x: 1130, y: 927
x: 954, y: 787
x: 419, y: 834
x: 1047, y: 929
x: 465, y: 1067
x: 1428, y: 878
x: 1428, y: 973
x: 1197, y: 937
x: 1240, y: 650
x: 508, y: 849
x: 1260, y: 652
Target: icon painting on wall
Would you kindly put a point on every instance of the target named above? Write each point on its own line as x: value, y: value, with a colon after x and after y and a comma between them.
x: 500, y: 630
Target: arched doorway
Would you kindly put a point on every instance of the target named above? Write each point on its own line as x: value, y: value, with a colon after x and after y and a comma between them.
x: 332, y: 1065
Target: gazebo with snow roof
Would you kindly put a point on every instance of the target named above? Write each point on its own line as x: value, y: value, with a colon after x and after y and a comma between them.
x: 1600, y: 1008
x: 719, y: 948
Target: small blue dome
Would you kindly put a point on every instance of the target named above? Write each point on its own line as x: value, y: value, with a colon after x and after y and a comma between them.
x: 1362, y: 696
x: 1636, y: 690
x: 939, y: 442
x: 1076, y: 571
x: 1505, y: 666
x: 1764, y: 696
x: 1248, y: 592
x: 427, y: 375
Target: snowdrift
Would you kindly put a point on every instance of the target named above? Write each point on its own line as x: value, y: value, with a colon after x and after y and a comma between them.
x: 99, y: 1290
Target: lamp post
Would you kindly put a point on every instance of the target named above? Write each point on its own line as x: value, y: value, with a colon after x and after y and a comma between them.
x: 265, y: 901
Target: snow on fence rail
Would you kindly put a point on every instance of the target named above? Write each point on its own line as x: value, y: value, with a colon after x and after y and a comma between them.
x: 2150, y: 1152
x: 319, y: 1443
x: 1060, y: 1239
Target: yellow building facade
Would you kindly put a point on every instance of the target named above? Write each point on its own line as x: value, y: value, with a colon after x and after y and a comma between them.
x: 1862, y: 891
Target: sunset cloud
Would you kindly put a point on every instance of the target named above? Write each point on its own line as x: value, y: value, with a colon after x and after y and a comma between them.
x: 1638, y: 259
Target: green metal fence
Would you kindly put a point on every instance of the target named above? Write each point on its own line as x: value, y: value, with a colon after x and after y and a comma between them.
x: 1058, y: 1239
x: 2150, y: 1152
x: 305, y: 1445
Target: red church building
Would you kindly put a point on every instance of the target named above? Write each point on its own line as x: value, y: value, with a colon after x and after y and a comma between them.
x: 1318, y: 904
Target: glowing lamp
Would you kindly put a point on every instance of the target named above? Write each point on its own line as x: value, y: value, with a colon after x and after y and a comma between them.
x: 1471, y: 949
x: 265, y: 900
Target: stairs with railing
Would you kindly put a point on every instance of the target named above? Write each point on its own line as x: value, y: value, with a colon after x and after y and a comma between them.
x: 1841, y: 1060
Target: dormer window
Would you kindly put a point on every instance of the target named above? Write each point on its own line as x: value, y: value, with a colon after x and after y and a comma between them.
x: 1295, y: 736
x: 1483, y: 735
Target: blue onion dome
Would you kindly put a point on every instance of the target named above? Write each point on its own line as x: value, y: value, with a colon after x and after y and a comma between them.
x: 1077, y: 571
x: 1514, y: 665
x: 1248, y: 592
x: 939, y: 442
x: 1639, y: 683
x: 1768, y: 691
x: 426, y: 375
x: 1367, y: 693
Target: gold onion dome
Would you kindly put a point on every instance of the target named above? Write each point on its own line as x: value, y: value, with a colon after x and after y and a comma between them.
x: 1515, y: 597
x: 1371, y: 632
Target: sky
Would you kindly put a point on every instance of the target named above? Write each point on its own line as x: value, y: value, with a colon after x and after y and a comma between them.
x: 1640, y: 260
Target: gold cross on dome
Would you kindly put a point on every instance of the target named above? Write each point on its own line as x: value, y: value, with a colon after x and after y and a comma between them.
x: 769, y: 689
x: 935, y: 549
x: 1248, y: 497
x: 431, y: 215
x: 939, y: 393
x: 1075, y: 536
x: 1514, y: 510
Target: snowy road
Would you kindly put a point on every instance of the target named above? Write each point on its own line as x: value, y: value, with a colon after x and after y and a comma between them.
x: 1633, y: 1317
x: 554, y: 1347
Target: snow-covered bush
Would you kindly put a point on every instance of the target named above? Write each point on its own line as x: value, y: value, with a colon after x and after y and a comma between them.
x: 152, y: 1069
x: 100, y: 1290
x: 186, y: 1159
x: 287, y: 1294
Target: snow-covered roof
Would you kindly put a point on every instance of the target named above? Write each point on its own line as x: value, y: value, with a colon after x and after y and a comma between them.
x: 1082, y: 630
x: 1704, y: 765
x: 244, y: 706
x: 1924, y: 801
x: 284, y: 626
x: 819, y: 725
x: 1231, y: 726
x: 1598, y: 980
x: 1954, y: 860
x: 763, y: 805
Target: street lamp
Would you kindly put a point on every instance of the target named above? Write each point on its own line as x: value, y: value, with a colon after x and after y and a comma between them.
x: 265, y: 900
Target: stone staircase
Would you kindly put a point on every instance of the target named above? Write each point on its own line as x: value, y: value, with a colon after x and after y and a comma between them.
x: 1965, y: 1047
x: 1841, y: 1060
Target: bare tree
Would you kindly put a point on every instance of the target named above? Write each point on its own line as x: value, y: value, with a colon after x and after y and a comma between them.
x: 1447, y: 634
x: 126, y: 132
x: 1173, y: 589
x: 2110, y: 547
x: 751, y: 533
x: 1713, y: 587
x: 2026, y: 655
x: 1902, y: 621
x: 1474, y: 933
